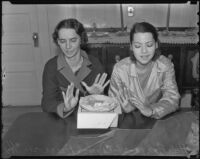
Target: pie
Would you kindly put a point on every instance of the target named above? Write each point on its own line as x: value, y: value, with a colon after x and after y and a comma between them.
x: 98, y: 103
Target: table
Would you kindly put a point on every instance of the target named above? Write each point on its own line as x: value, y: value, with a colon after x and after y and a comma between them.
x: 46, y: 134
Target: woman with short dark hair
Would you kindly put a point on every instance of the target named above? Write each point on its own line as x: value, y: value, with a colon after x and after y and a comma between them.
x: 65, y: 74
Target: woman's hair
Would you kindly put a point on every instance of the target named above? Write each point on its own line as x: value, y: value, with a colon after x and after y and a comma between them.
x: 144, y: 27
x: 71, y: 24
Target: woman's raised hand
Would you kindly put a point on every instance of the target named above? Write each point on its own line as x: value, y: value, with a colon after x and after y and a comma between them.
x: 123, y: 97
x: 98, y: 85
x: 70, y: 100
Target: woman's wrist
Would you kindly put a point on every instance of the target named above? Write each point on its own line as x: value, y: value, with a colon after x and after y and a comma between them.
x: 66, y: 108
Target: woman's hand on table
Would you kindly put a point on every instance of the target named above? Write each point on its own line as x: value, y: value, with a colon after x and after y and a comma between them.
x: 70, y: 101
x: 125, y: 96
x: 98, y: 85
x: 145, y: 110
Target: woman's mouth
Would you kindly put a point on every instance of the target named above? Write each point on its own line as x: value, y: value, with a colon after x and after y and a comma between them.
x: 68, y: 51
x: 145, y: 57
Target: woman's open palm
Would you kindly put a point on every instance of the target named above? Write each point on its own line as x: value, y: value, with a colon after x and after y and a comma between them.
x: 69, y: 99
x: 98, y: 85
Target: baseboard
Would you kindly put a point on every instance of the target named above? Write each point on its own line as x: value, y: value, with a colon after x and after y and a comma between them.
x: 21, y: 106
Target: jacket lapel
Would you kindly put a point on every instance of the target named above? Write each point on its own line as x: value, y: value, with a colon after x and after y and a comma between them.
x: 136, y: 81
x: 66, y: 71
x: 152, y: 83
x: 84, y: 70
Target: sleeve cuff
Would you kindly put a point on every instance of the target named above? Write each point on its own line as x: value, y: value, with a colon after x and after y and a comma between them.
x: 60, y: 112
x: 162, y: 109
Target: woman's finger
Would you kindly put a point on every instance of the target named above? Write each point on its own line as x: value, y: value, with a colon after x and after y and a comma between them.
x: 77, y: 94
x: 85, y: 85
x: 135, y: 100
x: 126, y: 92
x: 120, y: 98
x: 71, y: 90
x: 106, y: 84
x: 138, y: 106
x: 123, y: 99
x: 75, y: 100
x: 97, y: 78
x: 139, y: 102
x: 63, y: 94
x: 102, y: 79
x: 132, y: 94
x: 68, y: 89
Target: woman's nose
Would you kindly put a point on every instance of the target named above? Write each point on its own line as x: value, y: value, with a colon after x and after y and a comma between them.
x: 144, y: 49
x: 68, y: 45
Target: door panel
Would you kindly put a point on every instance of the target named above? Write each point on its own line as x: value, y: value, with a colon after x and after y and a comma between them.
x: 21, y: 60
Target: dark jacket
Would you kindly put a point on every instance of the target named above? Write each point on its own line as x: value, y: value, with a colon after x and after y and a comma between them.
x: 57, y: 75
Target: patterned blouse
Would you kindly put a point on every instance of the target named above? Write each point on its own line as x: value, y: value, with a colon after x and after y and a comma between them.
x: 160, y: 89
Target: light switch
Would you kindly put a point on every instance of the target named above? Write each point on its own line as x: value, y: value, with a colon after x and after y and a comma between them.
x: 131, y: 11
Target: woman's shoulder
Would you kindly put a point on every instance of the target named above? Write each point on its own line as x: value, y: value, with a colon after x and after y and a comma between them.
x: 94, y: 60
x: 125, y: 62
x: 122, y: 66
x: 52, y: 62
x: 164, y: 62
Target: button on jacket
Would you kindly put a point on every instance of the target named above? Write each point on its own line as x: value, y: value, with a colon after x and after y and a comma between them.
x: 57, y: 75
x: 160, y: 91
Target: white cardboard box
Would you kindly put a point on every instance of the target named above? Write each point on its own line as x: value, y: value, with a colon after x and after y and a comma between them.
x: 97, y: 120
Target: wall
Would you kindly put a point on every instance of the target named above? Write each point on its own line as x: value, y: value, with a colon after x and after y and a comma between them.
x: 181, y: 15
x: 155, y: 14
x: 184, y: 15
x: 108, y: 15
x: 55, y: 13
x: 103, y: 15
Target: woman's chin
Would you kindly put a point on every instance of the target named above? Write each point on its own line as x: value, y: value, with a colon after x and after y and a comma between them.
x: 70, y: 55
x: 144, y: 62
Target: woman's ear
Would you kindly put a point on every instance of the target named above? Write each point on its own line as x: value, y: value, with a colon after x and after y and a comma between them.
x: 131, y: 48
x: 156, y: 45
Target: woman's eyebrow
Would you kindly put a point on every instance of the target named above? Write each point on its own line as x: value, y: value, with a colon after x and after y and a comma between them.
x: 141, y: 43
x: 69, y: 38
x: 74, y: 38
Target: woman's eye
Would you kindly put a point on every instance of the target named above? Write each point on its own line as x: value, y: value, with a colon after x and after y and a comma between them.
x: 137, y: 46
x: 149, y: 45
x: 73, y: 40
x: 62, y: 41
